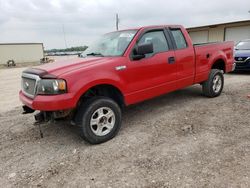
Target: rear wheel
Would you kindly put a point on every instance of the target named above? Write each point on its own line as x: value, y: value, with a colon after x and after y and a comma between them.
x: 100, y: 119
x: 214, y: 85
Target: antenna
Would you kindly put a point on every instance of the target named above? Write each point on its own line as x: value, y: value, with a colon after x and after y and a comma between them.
x: 64, y: 36
x: 117, y: 22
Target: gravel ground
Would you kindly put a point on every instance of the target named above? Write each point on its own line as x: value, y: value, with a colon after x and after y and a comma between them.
x: 177, y: 140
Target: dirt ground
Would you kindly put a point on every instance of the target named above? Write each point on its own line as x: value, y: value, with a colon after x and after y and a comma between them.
x: 181, y: 139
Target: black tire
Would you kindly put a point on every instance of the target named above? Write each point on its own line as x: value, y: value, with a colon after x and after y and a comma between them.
x: 86, y: 112
x: 208, y: 87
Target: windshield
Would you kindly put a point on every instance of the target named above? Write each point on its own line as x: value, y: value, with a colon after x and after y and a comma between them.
x: 244, y: 45
x: 111, y: 44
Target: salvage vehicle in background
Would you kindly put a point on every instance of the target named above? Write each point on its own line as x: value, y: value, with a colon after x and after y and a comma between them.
x: 242, y: 55
x: 120, y: 69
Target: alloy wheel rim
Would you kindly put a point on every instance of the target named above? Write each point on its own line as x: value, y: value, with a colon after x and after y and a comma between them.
x: 217, y: 83
x: 102, y: 121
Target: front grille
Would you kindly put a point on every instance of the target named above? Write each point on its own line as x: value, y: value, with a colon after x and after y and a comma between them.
x: 29, y: 82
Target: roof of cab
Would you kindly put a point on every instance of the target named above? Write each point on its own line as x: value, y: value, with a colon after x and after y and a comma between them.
x: 148, y: 27
x: 152, y: 27
x: 160, y: 26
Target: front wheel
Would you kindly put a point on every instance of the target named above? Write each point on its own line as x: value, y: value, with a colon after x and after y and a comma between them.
x: 214, y: 85
x: 100, y: 119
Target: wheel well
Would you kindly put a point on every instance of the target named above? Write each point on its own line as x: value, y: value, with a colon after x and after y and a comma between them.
x: 219, y: 64
x: 106, y: 91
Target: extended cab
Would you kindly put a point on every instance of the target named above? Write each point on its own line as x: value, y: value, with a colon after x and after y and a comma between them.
x: 120, y: 69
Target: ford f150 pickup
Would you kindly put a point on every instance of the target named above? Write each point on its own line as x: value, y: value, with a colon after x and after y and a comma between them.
x: 120, y: 69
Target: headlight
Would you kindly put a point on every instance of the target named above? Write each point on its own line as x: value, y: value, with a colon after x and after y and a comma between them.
x: 51, y: 87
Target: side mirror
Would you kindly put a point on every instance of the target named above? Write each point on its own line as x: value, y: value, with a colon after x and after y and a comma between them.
x: 143, y: 49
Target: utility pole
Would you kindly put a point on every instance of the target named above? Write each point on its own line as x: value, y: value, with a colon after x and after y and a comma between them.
x: 117, y: 22
x: 64, y: 36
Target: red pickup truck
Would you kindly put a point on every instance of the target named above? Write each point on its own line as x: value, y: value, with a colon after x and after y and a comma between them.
x: 120, y: 69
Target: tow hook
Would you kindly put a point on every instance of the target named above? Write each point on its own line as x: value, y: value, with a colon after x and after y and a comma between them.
x: 40, y: 118
x: 43, y: 117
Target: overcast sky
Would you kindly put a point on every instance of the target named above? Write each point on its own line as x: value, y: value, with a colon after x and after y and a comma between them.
x: 84, y: 20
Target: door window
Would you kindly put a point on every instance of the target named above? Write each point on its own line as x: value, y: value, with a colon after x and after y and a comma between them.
x: 179, y: 39
x: 158, y: 39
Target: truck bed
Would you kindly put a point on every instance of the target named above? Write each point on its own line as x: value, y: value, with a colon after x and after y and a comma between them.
x: 211, y: 52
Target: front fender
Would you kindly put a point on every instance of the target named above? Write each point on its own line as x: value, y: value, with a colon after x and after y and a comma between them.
x: 79, y: 86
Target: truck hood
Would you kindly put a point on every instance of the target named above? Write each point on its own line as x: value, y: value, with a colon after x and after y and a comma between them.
x: 61, y: 67
x: 242, y: 53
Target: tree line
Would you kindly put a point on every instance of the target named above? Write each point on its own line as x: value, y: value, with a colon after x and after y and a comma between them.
x: 72, y: 49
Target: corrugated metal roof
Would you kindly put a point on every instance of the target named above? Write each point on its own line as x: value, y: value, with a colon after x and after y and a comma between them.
x: 219, y: 24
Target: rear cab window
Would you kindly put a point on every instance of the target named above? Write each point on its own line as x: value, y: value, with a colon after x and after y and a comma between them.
x: 179, y: 38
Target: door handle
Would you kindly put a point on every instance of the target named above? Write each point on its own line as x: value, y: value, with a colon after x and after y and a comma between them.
x: 171, y: 60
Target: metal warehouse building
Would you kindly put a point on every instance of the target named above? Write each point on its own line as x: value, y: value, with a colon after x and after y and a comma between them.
x: 233, y: 31
x: 21, y: 52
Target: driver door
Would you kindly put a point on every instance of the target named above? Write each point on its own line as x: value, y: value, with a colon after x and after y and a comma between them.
x: 156, y: 73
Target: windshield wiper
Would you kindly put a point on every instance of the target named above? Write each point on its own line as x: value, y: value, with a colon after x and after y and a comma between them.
x: 95, y: 54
